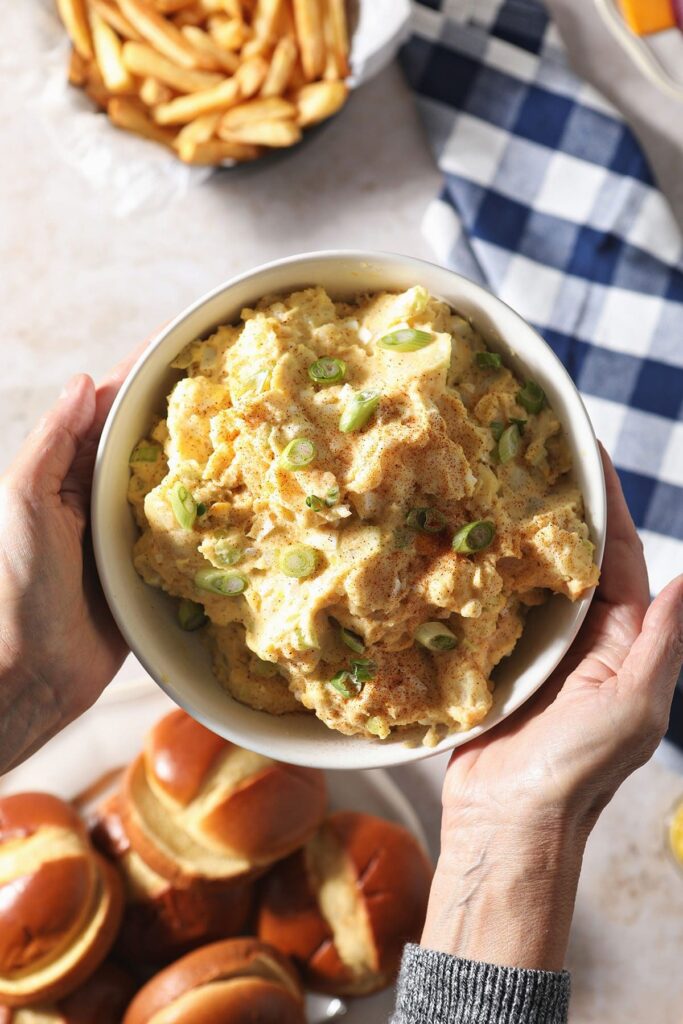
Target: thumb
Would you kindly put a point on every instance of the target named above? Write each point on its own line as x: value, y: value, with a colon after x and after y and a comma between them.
x: 653, y: 664
x: 48, y: 452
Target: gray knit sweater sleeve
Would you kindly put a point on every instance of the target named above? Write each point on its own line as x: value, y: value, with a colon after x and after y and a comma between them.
x: 435, y: 988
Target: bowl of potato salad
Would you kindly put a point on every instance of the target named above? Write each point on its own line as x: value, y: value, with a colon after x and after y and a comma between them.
x: 349, y: 509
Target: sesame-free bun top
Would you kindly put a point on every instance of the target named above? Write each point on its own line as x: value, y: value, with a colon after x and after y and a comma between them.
x: 197, y: 806
x: 239, y: 981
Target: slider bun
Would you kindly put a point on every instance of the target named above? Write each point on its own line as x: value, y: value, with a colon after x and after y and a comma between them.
x: 162, y: 921
x: 196, y: 806
x: 344, y: 906
x: 239, y: 981
x: 60, y: 903
x: 102, y: 999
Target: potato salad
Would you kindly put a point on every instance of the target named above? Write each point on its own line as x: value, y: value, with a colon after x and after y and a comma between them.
x: 356, y: 503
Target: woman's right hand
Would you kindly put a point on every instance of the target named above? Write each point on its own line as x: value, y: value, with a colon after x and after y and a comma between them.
x: 520, y: 801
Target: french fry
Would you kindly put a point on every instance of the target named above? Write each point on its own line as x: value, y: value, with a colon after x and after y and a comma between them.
x: 309, y: 30
x: 320, y: 100
x: 337, y: 35
x: 113, y: 16
x: 266, y: 18
x: 255, y: 48
x: 189, y: 16
x: 107, y: 47
x: 273, y: 108
x: 170, y: 6
x: 187, y: 108
x: 251, y: 75
x: 274, y: 134
x: 200, y: 130
x: 161, y: 33
x: 142, y: 60
x: 230, y: 33
x: 281, y: 66
x: 153, y: 92
x: 75, y: 18
x: 78, y: 69
x: 216, y: 57
x: 128, y: 115
x: 95, y: 89
x: 216, y: 151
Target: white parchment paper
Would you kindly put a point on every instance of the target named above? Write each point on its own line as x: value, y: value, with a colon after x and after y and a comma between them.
x: 131, y: 173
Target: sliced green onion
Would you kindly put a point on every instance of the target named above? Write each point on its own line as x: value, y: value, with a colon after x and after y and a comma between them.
x: 184, y: 506
x: 299, y: 453
x: 531, y: 397
x: 352, y: 640
x: 302, y: 642
x: 358, y: 411
x: 145, y: 453
x: 201, y: 509
x: 426, y: 520
x: 520, y: 423
x: 332, y: 497
x: 406, y: 339
x: 342, y: 682
x: 508, y: 446
x: 228, y: 584
x: 298, y: 561
x: 488, y: 360
x: 363, y: 669
x: 474, y: 537
x: 314, y: 502
x: 265, y: 669
x: 190, y: 615
x: 327, y: 370
x: 226, y: 552
x: 435, y: 636
x: 497, y: 428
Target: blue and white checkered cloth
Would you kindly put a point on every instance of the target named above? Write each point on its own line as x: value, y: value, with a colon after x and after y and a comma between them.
x: 548, y: 200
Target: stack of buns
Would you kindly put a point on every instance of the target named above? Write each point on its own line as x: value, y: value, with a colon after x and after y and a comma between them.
x: 200, y: 844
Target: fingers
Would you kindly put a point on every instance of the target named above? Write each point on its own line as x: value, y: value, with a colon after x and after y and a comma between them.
x: 44, y: 461
x: 654, y: 662
x: 624, y: 573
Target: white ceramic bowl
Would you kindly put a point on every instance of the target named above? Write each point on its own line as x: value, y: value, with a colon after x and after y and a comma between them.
x: 147, y: 617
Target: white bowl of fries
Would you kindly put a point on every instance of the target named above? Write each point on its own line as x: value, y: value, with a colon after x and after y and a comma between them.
x: 220, y: 82
x: 147, y: 617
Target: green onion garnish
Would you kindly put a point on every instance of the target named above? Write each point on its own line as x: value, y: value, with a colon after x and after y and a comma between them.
x: 299, y: 453
x: 435, y: 636
x: 341, y: 682
x: 488, y: 360
x: 327, y: 370
x: 352, y: 640
x: 227, y: 553
x: 358, y: 411
x: 508, y: 446
x: 531, y: 397
x: 190, y: 615
x: 520, y: 423
x: 497, y: 428
x: 474, y: 537
x: 406, y: 339
x: 184, y: 506
x: 314, y: 502
x: 298, y: 561
x: 363, y: 669
x: 426, y: 520
x: 377, y: 727
x: 145, y: 453
x: 201, y: 509
x: 332, y: 497
x: 228, y: 584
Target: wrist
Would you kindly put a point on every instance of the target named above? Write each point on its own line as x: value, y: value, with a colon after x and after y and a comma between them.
x: 504, y: 892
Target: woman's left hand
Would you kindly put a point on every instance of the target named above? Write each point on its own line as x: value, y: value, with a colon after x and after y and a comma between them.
x: 59, y: 645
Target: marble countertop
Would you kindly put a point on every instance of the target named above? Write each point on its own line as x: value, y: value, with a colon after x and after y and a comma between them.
x: 81, y: 285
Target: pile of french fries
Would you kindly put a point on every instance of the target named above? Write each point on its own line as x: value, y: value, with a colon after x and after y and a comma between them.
x: 217, y: 81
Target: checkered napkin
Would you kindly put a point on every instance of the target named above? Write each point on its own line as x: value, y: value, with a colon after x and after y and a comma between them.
x: 548, y: 200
